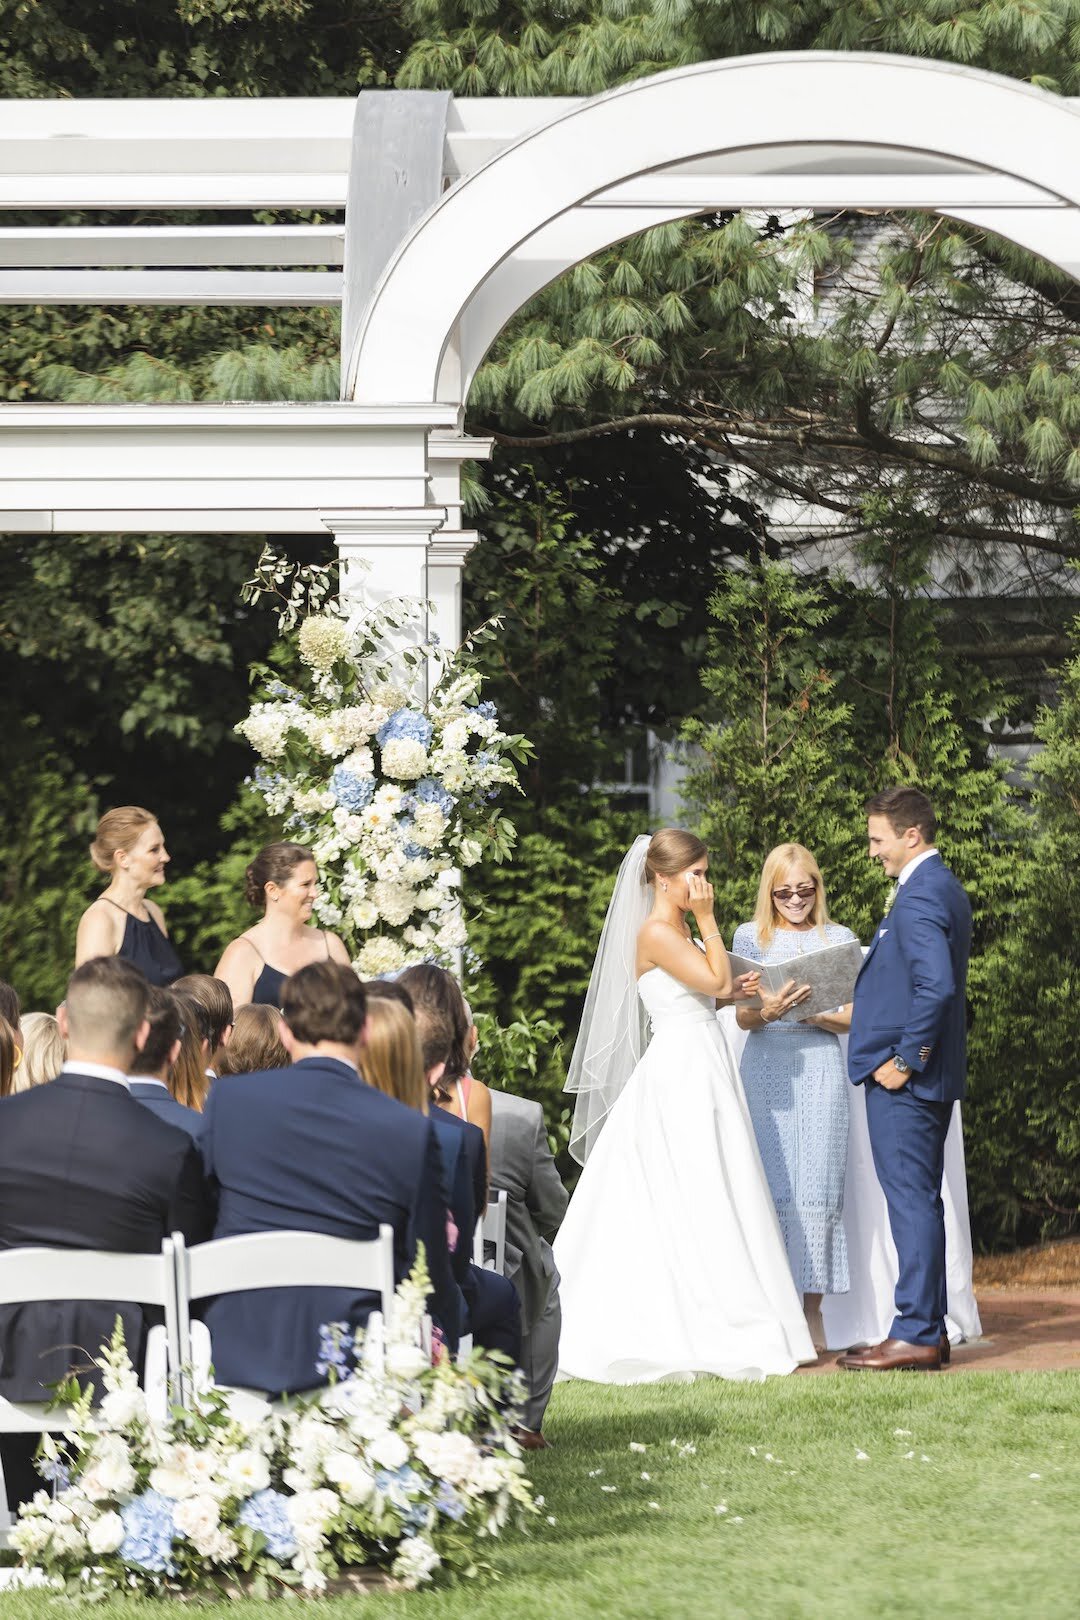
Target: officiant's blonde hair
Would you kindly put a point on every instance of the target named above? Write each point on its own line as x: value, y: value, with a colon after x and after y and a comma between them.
x: 777, y: 862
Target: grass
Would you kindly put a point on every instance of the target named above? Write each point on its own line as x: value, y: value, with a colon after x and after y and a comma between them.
x: 960, y: 1528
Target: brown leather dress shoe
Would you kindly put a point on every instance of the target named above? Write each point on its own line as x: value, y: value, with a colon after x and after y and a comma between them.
x: 946, y: 1349
x: 893, y: 1355
x: 530, y: 1439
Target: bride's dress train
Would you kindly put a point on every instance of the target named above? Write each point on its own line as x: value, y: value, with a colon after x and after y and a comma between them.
x: 670, y: 1256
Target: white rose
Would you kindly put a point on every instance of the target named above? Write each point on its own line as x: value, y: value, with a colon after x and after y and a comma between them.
x: 456, y: 734
x: 197, y: 1517
x: 340, y: 818
x: 310, y: 1512
x: 108, y: 1476
x: 67, y: 1540
x: 361, y: 762
x: 355, y: 1482
x: 353, y: 828
x: 364, y: 914
x: 450, y: 1455
x: 470, y: 851
x: 389, y: 1451
x: 123, y: 1407
x: 182, y: 1472
x: 248, y: 1472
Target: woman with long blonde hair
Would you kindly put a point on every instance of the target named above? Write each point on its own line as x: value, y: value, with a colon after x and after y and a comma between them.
x: 794, y: 1077
x: 670, y: 1256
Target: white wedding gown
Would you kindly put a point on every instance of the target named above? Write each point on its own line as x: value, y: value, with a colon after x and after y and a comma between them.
x: 670, y: 1257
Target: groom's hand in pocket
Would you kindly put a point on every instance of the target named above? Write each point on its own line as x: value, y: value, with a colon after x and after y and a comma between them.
x: 890, y: 1077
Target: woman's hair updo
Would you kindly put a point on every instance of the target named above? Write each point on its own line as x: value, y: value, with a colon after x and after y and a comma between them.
x: 275, y: 863
x: 671, y: 851
x: 118, y: 829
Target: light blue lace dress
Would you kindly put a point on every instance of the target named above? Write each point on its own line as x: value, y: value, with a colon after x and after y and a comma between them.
x: 797, y: 1093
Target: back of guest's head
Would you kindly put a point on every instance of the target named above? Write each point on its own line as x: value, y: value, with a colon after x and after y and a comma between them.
x: 905, y: 807
x: 9, y: 1004
x: 118, y: 829
x: 782, y: 863
x: 324, y: 1001
x: 389, y: 990
x: 44, y: 1051
x: 275, y: 863
x: 436, y: 1036
x: 393, y: 1060
x: 9, y: 1055
x: 105, y: 1004
x: 188, y: 1079
x: 166, y: 1025
x: 438, y: 1002
x: 255, y: 1042
x: 671, y: 851
x: 215, y: 999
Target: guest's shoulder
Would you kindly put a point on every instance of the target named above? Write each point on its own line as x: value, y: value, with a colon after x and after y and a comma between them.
x: 837, y: 934
x: 745, y: 941
x: 510, y: 1106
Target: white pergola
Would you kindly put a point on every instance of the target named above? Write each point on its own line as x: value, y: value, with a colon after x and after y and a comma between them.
x: 453, y: 214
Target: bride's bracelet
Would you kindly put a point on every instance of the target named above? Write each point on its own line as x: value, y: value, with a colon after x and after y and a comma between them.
x: 705, y: 938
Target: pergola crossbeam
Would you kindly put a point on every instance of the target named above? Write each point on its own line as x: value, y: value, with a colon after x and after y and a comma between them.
x: 59, y: 247
x: 263, y: 288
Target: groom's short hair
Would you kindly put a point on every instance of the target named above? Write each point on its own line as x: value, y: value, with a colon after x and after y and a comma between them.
x: 905, y: 807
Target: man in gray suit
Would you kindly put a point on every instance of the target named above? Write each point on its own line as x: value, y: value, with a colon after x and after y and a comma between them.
x: 536, y: 1200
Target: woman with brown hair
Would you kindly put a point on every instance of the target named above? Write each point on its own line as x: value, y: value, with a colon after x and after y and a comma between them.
x: 10, y: 1058
x: 189, y: 1082
x: 255, y: 1042
x: 284, y: 880
x: 130, y: 846
x: 433, y: 987
x: 671, y: 1258
x: 794, y: 1077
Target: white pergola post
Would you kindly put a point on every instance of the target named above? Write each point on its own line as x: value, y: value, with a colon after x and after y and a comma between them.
x: 446, y: 564
x: 384, y: 554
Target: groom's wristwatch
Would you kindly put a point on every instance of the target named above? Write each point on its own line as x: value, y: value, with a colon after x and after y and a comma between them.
x: 901, y: 1065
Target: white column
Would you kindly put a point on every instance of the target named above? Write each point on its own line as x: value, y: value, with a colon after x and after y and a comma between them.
x: 384, y: 553
x: 445, y: 563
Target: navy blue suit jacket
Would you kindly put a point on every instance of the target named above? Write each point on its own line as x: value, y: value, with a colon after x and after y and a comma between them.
x: 911, y: 995
x: 156, y: 1096
x: 314, y: 1148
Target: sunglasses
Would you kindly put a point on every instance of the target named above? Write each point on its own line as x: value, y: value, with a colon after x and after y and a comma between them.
x: 804, y: 891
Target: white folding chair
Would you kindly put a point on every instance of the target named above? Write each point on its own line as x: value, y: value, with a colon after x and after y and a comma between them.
x: 491, y: 1228
x: 279, y: 1260
x: 30, y: 1276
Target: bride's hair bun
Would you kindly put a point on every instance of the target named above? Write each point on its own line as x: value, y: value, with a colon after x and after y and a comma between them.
x: 671, y: 851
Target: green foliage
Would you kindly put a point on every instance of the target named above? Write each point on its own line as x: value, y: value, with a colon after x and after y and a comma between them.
x: 206, y: 906
x: 524, y: 1057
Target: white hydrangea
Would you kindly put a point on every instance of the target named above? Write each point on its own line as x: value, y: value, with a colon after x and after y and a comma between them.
x: 455, y: 735
x: 109, y: 1474
x: 361, y: 762
x: 416, y: 1562
x: 266, y: 729
x: 395, y: 902
x: 323, y: 639
x: 404, y: 758
x: 379, y: 955
x: 310, y: 1512
x: 429, y: 824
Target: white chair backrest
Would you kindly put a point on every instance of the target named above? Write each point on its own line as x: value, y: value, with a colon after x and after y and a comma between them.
x: 290, y: 1260
x: 491, y: 1228
x: 31, y: 1275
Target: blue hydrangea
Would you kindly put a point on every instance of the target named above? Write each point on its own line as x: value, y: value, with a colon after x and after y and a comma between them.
x: 279, y: 691
x: 54, y: 1473
x: 268, y: 1511
x: 148, y: 1532
x: 486, y: 711
x: 351, y: 792
x: 485, y: 757
x: 411, y: 849
x: 396, y: 1484
x: 334, y: 1340
x: 428, y: 791
x: 449, y: 1502
x: 408, y: 724
x: 266, y: 780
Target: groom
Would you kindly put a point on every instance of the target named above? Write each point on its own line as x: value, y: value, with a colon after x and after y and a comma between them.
x: 908, y: 1047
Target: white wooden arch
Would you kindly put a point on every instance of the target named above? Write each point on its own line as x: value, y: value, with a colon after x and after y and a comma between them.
x: 510, y: 227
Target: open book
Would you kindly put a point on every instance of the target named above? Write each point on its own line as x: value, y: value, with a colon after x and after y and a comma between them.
x: 830, y: 973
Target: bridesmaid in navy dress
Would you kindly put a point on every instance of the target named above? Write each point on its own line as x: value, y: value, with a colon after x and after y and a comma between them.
x: 130, y: 847
x: 284, y: 880
x: 795, y: 1082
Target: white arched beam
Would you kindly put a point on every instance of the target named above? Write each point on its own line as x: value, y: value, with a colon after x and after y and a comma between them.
x: 993, y: 123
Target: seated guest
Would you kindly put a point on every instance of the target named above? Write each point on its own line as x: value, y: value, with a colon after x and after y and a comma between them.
x: 434, y: 988
x: 84, y: 1166
x: 282, y: 881
x: 255, y: 1042
x: 216, y: 1002
x: 393, y: 1063
x: 44, y: 1051
x: 494, y: 1307
x: 10, y: 1009
x: 312, y: 1148
x: 188, y: 1080
x: 150, y: 1081
x: 536, y: 1200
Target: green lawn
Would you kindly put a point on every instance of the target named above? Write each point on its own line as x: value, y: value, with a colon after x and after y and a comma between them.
x: 960, y: 1528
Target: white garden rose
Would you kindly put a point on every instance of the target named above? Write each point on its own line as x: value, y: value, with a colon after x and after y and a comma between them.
x: 361, y: 762
x: 346, y: 1471
x: 310, y: 1512
x: 450, y: 1455
x: 122, y: 1407
x: 108, y: 1476
x: 183, y: 1471
x: 364, y: 914
x: 199, y: 1516
x: 404, y: 758
x: 456, y: 734
x: 248, y: 1472
x: 389, y: 1451
x: 469, y: 851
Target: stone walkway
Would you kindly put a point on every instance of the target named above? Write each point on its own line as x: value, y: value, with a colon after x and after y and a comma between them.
x: 1024, y: 1330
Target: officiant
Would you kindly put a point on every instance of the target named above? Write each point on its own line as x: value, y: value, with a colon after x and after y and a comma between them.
x: 793, y: 1075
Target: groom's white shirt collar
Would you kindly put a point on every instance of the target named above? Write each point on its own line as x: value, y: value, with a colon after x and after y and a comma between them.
x: 917, y: 862
x: 100, y: 1071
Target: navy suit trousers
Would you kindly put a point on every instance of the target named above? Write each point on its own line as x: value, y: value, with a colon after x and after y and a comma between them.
x: 907, y: 1136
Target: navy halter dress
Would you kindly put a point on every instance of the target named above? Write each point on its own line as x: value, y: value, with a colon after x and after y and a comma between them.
x: 149, y: 949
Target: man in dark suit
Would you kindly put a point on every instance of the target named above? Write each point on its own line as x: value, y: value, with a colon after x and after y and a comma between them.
x: 149, y: 1080
x: 908, y: 1047
x: 84, y: 1166
x: 312, y: 1148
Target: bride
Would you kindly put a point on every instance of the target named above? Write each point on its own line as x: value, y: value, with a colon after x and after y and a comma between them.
x: 671, y: 1258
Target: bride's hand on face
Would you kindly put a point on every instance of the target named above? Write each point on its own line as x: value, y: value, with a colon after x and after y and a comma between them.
x: 699, y: 897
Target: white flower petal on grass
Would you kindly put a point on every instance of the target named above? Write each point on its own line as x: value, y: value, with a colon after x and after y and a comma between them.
x: 902, y: 1433
x: 655, y: 1506
x: 753, y: 1450
x: 737, y: 1519
x: 595, y: 1472
x: 610, y: 1489
x: 908, y: 1456
x: 721, y: 1507
x: 861, y: 1456
x: 645, y: 1476
x: 924, y: 1458
x: 636, y: 1445
x: 1033, y: 1476
x: 551, y: 1519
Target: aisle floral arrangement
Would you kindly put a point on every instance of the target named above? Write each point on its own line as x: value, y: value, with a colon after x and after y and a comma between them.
x: 398, y: 1466
x: 393, y: 792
